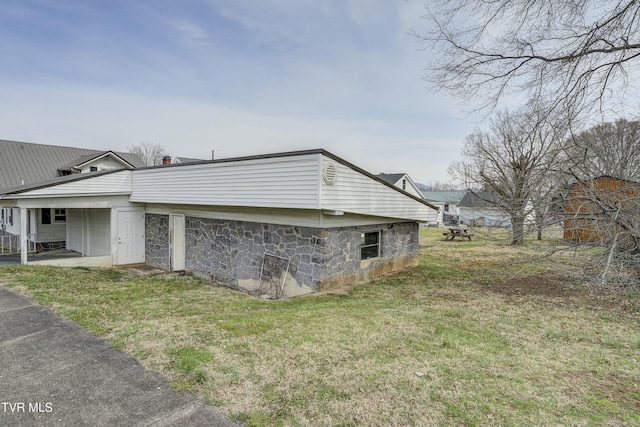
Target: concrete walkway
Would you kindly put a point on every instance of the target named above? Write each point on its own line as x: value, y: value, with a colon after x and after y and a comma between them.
x: 48, y: 255
x: 55, y: 373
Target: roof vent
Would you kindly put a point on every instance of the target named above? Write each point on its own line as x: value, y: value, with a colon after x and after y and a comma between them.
x: 329, y: 174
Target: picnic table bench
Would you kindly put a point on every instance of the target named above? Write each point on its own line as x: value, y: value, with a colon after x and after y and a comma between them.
x: 457, y: 232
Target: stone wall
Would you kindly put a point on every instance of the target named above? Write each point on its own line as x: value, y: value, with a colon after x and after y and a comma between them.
x: 343, y: 266
x: 157, y: 241
x: 232, y: 253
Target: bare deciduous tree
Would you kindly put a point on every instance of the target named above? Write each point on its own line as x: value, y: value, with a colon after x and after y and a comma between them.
x: 563, y: 55
x: 604, y: 212
x: 512, y: 163
x: 611, y: 149
x: 570, y: 58
x: 150, y: 153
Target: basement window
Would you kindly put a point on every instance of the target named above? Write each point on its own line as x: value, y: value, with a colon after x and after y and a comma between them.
x: 369, y: 245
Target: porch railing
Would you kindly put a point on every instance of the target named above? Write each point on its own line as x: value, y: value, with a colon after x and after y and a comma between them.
x: 10, y: 243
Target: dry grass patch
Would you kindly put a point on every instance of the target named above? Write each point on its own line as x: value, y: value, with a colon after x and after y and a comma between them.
x: 475, y: 335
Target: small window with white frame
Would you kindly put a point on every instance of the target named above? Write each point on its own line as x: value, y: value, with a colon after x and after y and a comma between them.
x: 59, y: 215
x: 369, y: 245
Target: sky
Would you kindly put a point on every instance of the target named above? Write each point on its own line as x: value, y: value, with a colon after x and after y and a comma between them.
x: 236, y: 77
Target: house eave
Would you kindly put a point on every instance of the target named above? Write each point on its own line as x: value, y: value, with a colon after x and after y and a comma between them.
x: 103, y: 155
x: 61, y: 196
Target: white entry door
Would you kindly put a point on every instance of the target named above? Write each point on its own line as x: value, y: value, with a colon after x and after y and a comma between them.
x: 177, y: 242
x: 130, y: 238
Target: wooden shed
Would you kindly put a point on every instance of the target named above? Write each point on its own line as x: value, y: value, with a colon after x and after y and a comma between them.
x: 600, y: 208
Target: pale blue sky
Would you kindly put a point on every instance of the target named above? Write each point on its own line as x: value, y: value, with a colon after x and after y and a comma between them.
x: 240, y: 77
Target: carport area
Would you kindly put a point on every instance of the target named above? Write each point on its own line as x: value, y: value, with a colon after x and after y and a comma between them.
x: 94, y: 237
x: 101, y: 235
x: 100, y: 223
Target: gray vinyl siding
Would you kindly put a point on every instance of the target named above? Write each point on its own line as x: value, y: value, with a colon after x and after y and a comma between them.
x: 280, y: 182
x: 98, y: 231
x: 54, y: 232
x: 113, y: 183
x: 103, y: 164
x: 74, y: 229
x: 94, y: 225
x: 12, y: 227
x: 287, y: 182
x: 355, y: 192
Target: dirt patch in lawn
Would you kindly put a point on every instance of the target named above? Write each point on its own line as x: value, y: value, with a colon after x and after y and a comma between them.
x: 563, y: 289
x: 546, y: 285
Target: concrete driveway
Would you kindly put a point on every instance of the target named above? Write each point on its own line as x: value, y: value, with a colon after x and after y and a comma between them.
x: 55, y: 373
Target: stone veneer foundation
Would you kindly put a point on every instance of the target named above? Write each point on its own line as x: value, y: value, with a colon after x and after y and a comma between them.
x: 239, y: 254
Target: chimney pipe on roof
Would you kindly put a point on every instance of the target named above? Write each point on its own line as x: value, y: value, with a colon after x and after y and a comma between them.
x: 166, y: 160
x: 213, y: 157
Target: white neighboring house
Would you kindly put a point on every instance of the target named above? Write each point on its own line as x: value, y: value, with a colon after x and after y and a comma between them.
x: 293, y: 223
x: 185, y: 160
x: 483, y: 209
x: 402, y: 181
x: 447, y: 203
x: 24, y: 163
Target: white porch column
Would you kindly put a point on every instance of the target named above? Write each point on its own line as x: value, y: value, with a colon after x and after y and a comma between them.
x: 23, y: 235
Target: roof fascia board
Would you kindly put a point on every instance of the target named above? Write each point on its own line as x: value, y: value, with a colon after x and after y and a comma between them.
x: 58, y: 181
x: 102, y: 155
x: 59, y: 196
x: 234, y: 159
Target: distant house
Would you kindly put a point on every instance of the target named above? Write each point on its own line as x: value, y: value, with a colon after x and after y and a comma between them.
x: 447, y: 203
x: 187, y: 160
x: 599, y: 208
x: 24, y: 163
x: 483, y: 208
x: 281, y: 224
x: 402, y: 181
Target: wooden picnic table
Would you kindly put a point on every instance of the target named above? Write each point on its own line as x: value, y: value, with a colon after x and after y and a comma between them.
x: 457, y: 232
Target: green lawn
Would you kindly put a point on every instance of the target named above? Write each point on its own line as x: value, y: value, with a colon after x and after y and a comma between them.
x: 475, y: 335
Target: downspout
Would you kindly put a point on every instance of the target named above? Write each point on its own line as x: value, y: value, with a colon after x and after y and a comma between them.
x: 23, y: 236
x: 319, y: 198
